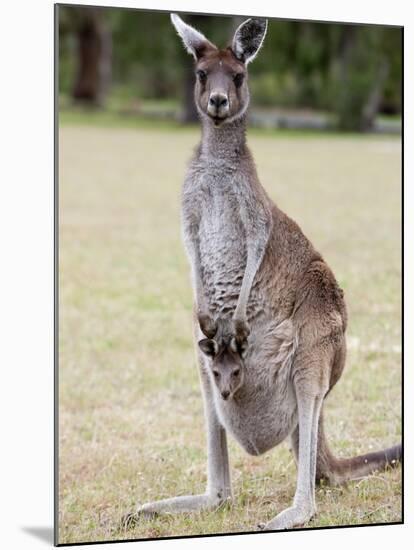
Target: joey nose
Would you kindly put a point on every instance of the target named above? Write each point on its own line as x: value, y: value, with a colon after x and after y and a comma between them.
x: 218, y: 100
x: 225, y: 394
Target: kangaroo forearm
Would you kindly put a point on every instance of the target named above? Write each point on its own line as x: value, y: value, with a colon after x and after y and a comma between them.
x: 255, y: 252
x: 248, y: 278
x: 206, y: 322
x: 193, y: 252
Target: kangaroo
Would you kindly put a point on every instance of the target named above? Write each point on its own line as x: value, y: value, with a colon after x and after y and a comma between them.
x: 266, y: 303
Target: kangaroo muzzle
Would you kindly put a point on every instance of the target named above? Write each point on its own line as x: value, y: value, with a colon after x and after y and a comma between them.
x: 225, y: 394
x: 218, y: 105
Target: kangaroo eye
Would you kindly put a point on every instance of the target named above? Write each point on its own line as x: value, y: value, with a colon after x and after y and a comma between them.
x: 202, y: 75
x: 238, y: 79
x: 216, y: 373
x: 236, y: 372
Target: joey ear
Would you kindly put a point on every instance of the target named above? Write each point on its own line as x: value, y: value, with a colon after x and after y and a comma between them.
x: 233, y: 345
x: 208, y: 347
x: 239, y: 347
x: 248, y: 39
x: 194, y: 41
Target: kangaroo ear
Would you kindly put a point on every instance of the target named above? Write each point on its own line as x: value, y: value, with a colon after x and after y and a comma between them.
x: 248, y: 39
x: 194, y: 41
x: 208, y: 347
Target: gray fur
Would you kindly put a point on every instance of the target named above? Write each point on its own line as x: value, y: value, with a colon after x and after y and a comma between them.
x: 267, y: 300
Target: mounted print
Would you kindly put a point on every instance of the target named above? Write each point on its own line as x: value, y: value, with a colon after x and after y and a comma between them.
x: 228, y: 255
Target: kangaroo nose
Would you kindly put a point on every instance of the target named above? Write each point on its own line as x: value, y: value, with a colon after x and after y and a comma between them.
x: 225, y: 394
x: 218, y: 100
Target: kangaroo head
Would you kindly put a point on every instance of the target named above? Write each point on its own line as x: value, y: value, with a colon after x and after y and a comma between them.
x: 221, y: 92
x: 226, y: 365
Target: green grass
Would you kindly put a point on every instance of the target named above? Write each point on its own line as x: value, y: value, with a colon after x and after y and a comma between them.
x: 131, y: 422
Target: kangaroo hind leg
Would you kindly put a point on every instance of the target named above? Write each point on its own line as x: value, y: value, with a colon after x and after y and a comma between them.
x: 309, y: 400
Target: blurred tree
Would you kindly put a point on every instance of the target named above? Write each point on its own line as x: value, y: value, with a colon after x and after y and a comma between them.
x: 360, y: 74
x: 145, y: 52
x: 94, y: 53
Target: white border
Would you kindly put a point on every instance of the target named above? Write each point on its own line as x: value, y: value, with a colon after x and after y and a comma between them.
x: 26, y: 235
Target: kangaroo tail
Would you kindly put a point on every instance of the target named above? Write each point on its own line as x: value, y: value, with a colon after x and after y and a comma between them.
x: 338, y: 470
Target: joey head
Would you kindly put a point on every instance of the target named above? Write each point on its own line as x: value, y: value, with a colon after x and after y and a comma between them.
x: 226, y: 365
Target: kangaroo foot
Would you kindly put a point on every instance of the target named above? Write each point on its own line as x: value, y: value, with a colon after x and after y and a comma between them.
x: 190, y: 503
x: 288, y: 519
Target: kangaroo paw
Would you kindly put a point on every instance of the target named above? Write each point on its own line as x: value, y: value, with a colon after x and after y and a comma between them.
x: 241, y: 334
x: 207, y: 325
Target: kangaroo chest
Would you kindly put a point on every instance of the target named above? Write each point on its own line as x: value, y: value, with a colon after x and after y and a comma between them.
x: 217, y: 200
x: 222, y: 250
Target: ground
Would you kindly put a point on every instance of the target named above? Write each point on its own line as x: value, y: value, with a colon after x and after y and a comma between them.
x: 130, y: 409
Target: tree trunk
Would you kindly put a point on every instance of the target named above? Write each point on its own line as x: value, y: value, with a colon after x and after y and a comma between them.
x: 371, y: 107
x: 348, y: 42
x: 94, y: 59
x: 347, y: 102
x: 359, y: 99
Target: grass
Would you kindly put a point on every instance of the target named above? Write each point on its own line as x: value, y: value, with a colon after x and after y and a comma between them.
x: 130, y: 411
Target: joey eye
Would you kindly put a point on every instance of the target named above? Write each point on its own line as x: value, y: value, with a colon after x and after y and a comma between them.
x: 236, y: 372
x: 238, y: 79
x: 202, y: 75
x: 216, y: 373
